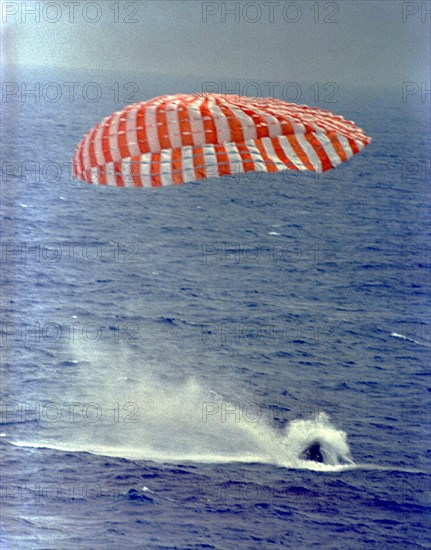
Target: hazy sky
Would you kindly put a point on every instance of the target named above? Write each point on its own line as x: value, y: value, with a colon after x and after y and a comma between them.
x: 382, y: 42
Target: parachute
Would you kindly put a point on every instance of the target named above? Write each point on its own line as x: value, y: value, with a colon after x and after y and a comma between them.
x: 173, y: 139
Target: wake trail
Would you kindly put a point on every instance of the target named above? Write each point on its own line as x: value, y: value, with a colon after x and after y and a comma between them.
x: 134, y: 414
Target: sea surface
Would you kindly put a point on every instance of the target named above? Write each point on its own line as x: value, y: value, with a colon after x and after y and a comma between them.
x: 168, y: 354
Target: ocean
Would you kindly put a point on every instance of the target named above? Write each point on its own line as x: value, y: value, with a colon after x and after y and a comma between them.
x: 168, y: 354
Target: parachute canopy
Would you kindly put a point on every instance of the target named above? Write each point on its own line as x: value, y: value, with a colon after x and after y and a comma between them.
x: 174, y: 139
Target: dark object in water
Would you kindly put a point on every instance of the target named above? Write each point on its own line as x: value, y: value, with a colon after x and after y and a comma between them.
x: 133, y: 494
x: 313, y: 452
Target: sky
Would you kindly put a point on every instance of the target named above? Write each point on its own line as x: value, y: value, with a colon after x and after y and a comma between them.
x: 373, y: 42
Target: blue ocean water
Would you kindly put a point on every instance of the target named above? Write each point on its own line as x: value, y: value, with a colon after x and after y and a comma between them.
x: 168, y: 354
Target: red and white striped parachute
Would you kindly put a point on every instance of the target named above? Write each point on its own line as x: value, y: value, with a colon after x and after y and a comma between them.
x: 174, y: 139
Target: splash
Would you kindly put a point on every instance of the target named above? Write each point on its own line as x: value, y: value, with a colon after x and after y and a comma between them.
x: 301, y: 434
x: 143, y: 415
